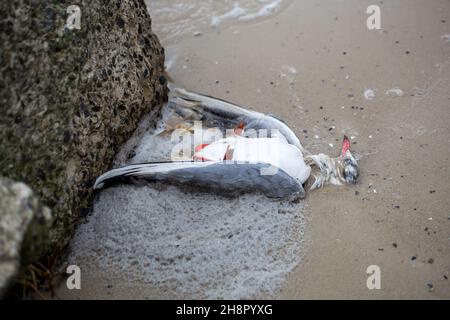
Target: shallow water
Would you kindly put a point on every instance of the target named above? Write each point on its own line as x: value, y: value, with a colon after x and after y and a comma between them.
x: 174, y: 20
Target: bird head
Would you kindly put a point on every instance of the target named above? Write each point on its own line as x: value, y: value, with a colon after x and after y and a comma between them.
x: 343, y: 168
x: 350, y: 168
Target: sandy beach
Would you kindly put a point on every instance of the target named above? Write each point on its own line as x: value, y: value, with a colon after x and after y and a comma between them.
x: 310, y: 64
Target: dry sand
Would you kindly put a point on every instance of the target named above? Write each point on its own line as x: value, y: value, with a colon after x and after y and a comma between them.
x: 310, y: 65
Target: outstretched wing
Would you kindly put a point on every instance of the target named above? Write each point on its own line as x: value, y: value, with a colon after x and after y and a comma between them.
x: 225, y: 177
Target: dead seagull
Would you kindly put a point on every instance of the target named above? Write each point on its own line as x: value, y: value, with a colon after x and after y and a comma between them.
x: 275, y: 163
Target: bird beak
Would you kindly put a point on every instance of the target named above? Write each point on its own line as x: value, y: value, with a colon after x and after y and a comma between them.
x: 345, y: 146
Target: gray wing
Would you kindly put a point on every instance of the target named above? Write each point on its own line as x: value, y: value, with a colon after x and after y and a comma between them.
x: 224, y: 177
x: 226, y: 113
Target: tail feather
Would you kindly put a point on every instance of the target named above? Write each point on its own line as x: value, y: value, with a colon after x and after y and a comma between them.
x: 144, y: 170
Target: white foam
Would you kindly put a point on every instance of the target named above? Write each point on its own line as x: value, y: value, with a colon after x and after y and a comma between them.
x: 369, y: 94
x: 170, y: 60
x: 197, y: 245
x: 175, y: 19
x: 269, y: 8
x: 446, y: 37
x: 395, y: 92
x: 233, y: 13
x: 290, y: 69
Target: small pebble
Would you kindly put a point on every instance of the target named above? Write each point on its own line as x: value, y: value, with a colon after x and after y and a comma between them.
x: 413, y: 258
x: 394, y: 245
x: 430, y: 261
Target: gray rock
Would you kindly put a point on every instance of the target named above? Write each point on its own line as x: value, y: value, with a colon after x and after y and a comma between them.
x: 70, y: 97
x: 24, y: 225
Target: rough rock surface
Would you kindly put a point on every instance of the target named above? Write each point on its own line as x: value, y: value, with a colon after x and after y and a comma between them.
x: 24, y: 225
x: 70, y: 97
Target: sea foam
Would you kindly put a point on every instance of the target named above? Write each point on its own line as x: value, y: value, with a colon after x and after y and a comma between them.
x: 173, y: 20
x: 196, y: 245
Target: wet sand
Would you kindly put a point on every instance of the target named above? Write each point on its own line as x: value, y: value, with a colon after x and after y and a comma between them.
x: 310, y: 65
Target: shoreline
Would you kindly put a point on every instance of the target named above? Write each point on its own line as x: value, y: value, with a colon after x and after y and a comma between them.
x: 310, y: 65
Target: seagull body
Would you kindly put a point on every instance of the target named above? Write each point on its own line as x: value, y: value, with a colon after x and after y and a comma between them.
x: 240, y: 162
